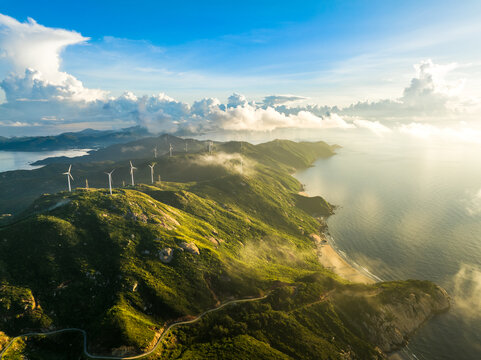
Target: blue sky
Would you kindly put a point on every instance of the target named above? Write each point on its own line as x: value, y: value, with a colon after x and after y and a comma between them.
x: 331, y: 52
x: 291, y: 41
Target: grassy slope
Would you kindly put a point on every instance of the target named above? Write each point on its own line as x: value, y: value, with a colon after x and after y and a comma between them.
x: 18, y: 189
x: 89, y: 260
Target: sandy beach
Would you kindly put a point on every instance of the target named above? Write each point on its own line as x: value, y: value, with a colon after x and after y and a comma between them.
x: 330, y: 259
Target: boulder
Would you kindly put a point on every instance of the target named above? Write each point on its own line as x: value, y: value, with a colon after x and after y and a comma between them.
x: 190, y: 247
x: 213, y: 241
x: 166, y: 255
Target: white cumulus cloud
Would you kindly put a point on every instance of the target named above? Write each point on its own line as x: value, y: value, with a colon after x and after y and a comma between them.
x: 33, y: 52
x: 39, y: 93
x: 30, y: 45
x: 429, y: 96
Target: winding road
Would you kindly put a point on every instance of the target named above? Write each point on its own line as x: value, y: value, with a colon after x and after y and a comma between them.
x: 170, y: 327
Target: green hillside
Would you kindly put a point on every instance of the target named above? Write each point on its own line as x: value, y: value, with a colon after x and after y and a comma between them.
x: 123, y: 266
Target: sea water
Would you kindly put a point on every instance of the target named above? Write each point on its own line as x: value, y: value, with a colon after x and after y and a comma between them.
x: 411, y: 208
x: 21, y: 160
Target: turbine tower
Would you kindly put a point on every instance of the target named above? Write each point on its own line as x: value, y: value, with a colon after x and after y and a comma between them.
x: 110, y: 180
x: 132, y: 168
x: 210, y: 147
x: 185, y: 145
x: 69, y: 176
x: 155, y: 152
x: 170, y: 150
x: 151, y: 166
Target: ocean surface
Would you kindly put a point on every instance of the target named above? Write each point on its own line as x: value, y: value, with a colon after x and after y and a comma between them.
x: 411, y: 208
x: 15, y: 160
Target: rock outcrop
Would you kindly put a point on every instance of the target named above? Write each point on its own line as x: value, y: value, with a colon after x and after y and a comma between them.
x: 166, y: 255
x: 389, y: 316
x: 190, y: 247
x: 396, y: 322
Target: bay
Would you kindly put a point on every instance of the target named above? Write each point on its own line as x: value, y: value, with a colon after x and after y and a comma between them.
x: 22, y: 160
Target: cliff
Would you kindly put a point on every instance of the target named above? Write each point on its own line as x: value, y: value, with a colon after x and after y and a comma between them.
x: 389, y: 313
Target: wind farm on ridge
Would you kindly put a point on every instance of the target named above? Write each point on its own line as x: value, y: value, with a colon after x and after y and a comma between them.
x: 209, y: 148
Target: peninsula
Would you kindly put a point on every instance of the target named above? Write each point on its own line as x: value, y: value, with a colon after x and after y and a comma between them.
x: 218, y: 257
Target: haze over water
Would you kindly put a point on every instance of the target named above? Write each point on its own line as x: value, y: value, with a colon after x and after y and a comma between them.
x: 22, y: 160
x: 412, y: 209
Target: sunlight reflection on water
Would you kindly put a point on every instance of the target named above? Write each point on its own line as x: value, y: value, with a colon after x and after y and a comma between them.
x: 16, y: 160
x: 408, y: 210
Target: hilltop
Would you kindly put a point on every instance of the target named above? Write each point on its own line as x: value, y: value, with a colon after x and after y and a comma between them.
x: 217, y: 227
x: 20, y: 187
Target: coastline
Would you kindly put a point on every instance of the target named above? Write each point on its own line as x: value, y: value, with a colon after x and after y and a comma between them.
x: 332, y: 260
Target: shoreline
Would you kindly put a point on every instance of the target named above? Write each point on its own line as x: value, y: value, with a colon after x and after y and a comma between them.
x: 332, y: 260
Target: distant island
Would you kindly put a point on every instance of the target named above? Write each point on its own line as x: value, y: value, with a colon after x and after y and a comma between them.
x: 88, y: 138
x: 214, y: 252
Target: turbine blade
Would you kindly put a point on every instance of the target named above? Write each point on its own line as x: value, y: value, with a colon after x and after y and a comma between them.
x: 69, y: 168
x: 70, y: 176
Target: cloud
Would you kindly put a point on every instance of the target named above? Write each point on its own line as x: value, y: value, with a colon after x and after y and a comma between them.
x: 254, y: 118
x: 39, y: 93
x: 429, y: 97
x: 274, y: 100
x: 466, y: 290
x: 236, y: 100
x: 234, y: 163
x: 33, y: 52
x: 31, y: 86
x: 30, y: 45
x: 375, y: 126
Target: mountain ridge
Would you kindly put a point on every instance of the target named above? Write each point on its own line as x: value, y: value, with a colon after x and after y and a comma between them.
x: 121, y: 267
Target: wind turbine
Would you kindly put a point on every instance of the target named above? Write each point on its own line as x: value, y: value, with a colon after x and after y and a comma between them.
x: 132, y: 168
x: 151, y: 166
x: 69, y: 176
x: 170, y: 150
x: 110, y: 180
x: 210, y: 146
x: 155, y: 152
x: 185, y: 145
